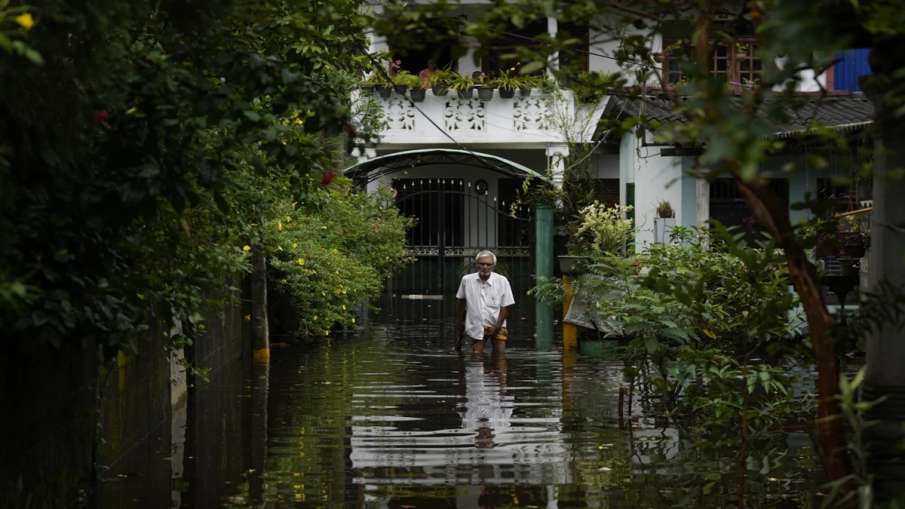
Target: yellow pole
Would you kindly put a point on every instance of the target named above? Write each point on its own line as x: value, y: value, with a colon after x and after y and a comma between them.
x: 569, y: 331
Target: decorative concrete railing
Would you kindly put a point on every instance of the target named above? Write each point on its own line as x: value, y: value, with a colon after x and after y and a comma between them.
x: 540, y: 118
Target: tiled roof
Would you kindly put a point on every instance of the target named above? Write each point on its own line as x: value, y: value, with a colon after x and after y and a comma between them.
x: 842, y: 112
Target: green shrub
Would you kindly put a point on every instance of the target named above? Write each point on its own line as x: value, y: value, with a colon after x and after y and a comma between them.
x: 603, y: 230
x: 335, y: 252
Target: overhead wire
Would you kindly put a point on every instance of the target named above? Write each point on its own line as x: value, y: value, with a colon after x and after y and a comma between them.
x: 484, y: 163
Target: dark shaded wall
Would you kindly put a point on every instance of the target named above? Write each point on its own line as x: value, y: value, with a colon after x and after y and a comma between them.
x: 161, y: 423
x: 47, y: 399
x: 81, y: 432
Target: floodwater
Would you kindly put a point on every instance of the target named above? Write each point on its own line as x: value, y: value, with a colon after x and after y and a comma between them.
x: 394, y: 417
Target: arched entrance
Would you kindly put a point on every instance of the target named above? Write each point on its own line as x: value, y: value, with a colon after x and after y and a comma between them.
x: 466, y: 205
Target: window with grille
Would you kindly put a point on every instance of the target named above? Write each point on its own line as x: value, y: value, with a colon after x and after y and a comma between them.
x: 736, y: 63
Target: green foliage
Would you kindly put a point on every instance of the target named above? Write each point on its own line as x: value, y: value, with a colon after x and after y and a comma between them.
x: 406, y: 79
x: 440, y: 78
x: 460, y: 82
x: 591, y: 87
x: 854, y: 411
x: 708, y: 316
x: 603, y: 230
x: 15, y: 22
x: 334, y: 252
x: 154, y: 143
x: 664, y: 209
x: 507, y: 80
x: 378, y: 79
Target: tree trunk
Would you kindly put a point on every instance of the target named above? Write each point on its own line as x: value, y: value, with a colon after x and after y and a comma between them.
x: 771, y: 213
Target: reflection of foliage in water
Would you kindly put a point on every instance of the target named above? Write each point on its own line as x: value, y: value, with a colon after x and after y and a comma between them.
x: 640, y: 461
x: 709, y: 348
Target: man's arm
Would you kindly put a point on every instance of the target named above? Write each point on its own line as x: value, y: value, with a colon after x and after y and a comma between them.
x: 460, y: 321
x: 504, y: 314
x: 507, y: 301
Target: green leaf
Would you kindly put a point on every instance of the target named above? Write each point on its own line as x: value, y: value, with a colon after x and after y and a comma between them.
x: 532, y: 67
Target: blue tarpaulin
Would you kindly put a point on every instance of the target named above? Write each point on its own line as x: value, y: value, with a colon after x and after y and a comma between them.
x: 852, y: 64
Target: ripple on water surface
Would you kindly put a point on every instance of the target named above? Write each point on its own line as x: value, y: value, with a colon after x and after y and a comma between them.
x: 404, y: 421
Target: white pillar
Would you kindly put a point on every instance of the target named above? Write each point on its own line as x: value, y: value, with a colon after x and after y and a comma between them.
x: 376, y: 44
x: 702, y: 201
x: 552, y: 30
x: 466, y: 63
x: 886, y: 345
x: 556, y: 162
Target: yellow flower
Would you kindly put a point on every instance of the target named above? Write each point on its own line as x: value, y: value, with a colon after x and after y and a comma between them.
x: 247, y: 318
x: 295, y: 245
x: 300, y: 261
x: 246, y: 248
x: 25, y: 21
x: 314, y: 318
x: 353, y: 320
x: 344, y: 307
x: 279, y: 227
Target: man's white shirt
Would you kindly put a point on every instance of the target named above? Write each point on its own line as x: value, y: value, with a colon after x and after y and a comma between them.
x: 483, y: 300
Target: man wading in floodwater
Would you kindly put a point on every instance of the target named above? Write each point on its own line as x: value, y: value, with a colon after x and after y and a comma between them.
x: 482, y: 305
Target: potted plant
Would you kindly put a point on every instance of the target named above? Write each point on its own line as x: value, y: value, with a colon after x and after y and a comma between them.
x: 404, y: 80
x: 603, y: 230
x: 526, y: 83
x: 463, y: 85
x: 507, y: 83
x: 439, y: 82
x: 417, y: 94
x: 664, y: 222
x: 484, y: 87
x: 377, y: 82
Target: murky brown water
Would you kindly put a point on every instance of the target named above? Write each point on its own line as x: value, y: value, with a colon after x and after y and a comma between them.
x: 396, y: 418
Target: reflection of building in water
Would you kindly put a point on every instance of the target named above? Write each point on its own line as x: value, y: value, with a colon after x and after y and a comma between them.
x: 493, y: 443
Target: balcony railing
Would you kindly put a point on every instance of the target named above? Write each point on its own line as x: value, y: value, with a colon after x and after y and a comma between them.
x: 538, y: 118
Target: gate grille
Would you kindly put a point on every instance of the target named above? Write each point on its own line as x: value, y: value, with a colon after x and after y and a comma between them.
x: 455, y: 219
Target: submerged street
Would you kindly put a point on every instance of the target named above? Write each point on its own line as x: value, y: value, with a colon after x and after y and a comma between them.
x: 395, y: 417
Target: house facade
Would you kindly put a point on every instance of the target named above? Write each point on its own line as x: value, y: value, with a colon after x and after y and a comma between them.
x: 483, y: 148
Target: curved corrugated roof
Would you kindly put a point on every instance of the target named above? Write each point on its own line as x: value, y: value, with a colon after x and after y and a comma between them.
x: 397, y: 161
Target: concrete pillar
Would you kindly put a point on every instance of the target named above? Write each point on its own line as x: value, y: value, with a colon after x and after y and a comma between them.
x: 885, y: 376
x: 467, y: 64
x: 556, y: 162
x: 702, y: 195
x: 543, y: 268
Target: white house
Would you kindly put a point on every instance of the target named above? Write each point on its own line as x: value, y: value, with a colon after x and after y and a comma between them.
x: 480, y: 150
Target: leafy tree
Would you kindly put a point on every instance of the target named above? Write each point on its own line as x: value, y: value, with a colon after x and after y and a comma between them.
x: 150, y: 150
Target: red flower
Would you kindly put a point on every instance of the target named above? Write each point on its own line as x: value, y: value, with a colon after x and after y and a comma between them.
x: 100, y: 117
x: 328, y: 177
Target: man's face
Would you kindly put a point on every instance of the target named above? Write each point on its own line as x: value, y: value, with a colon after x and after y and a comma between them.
x: 485, y: 266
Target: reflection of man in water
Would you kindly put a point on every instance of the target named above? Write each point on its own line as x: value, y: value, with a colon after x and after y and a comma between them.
x: 483, y: 305
x: 488, y: 409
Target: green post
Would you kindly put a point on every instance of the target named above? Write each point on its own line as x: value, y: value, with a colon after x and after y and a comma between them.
x: 543, y: 268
